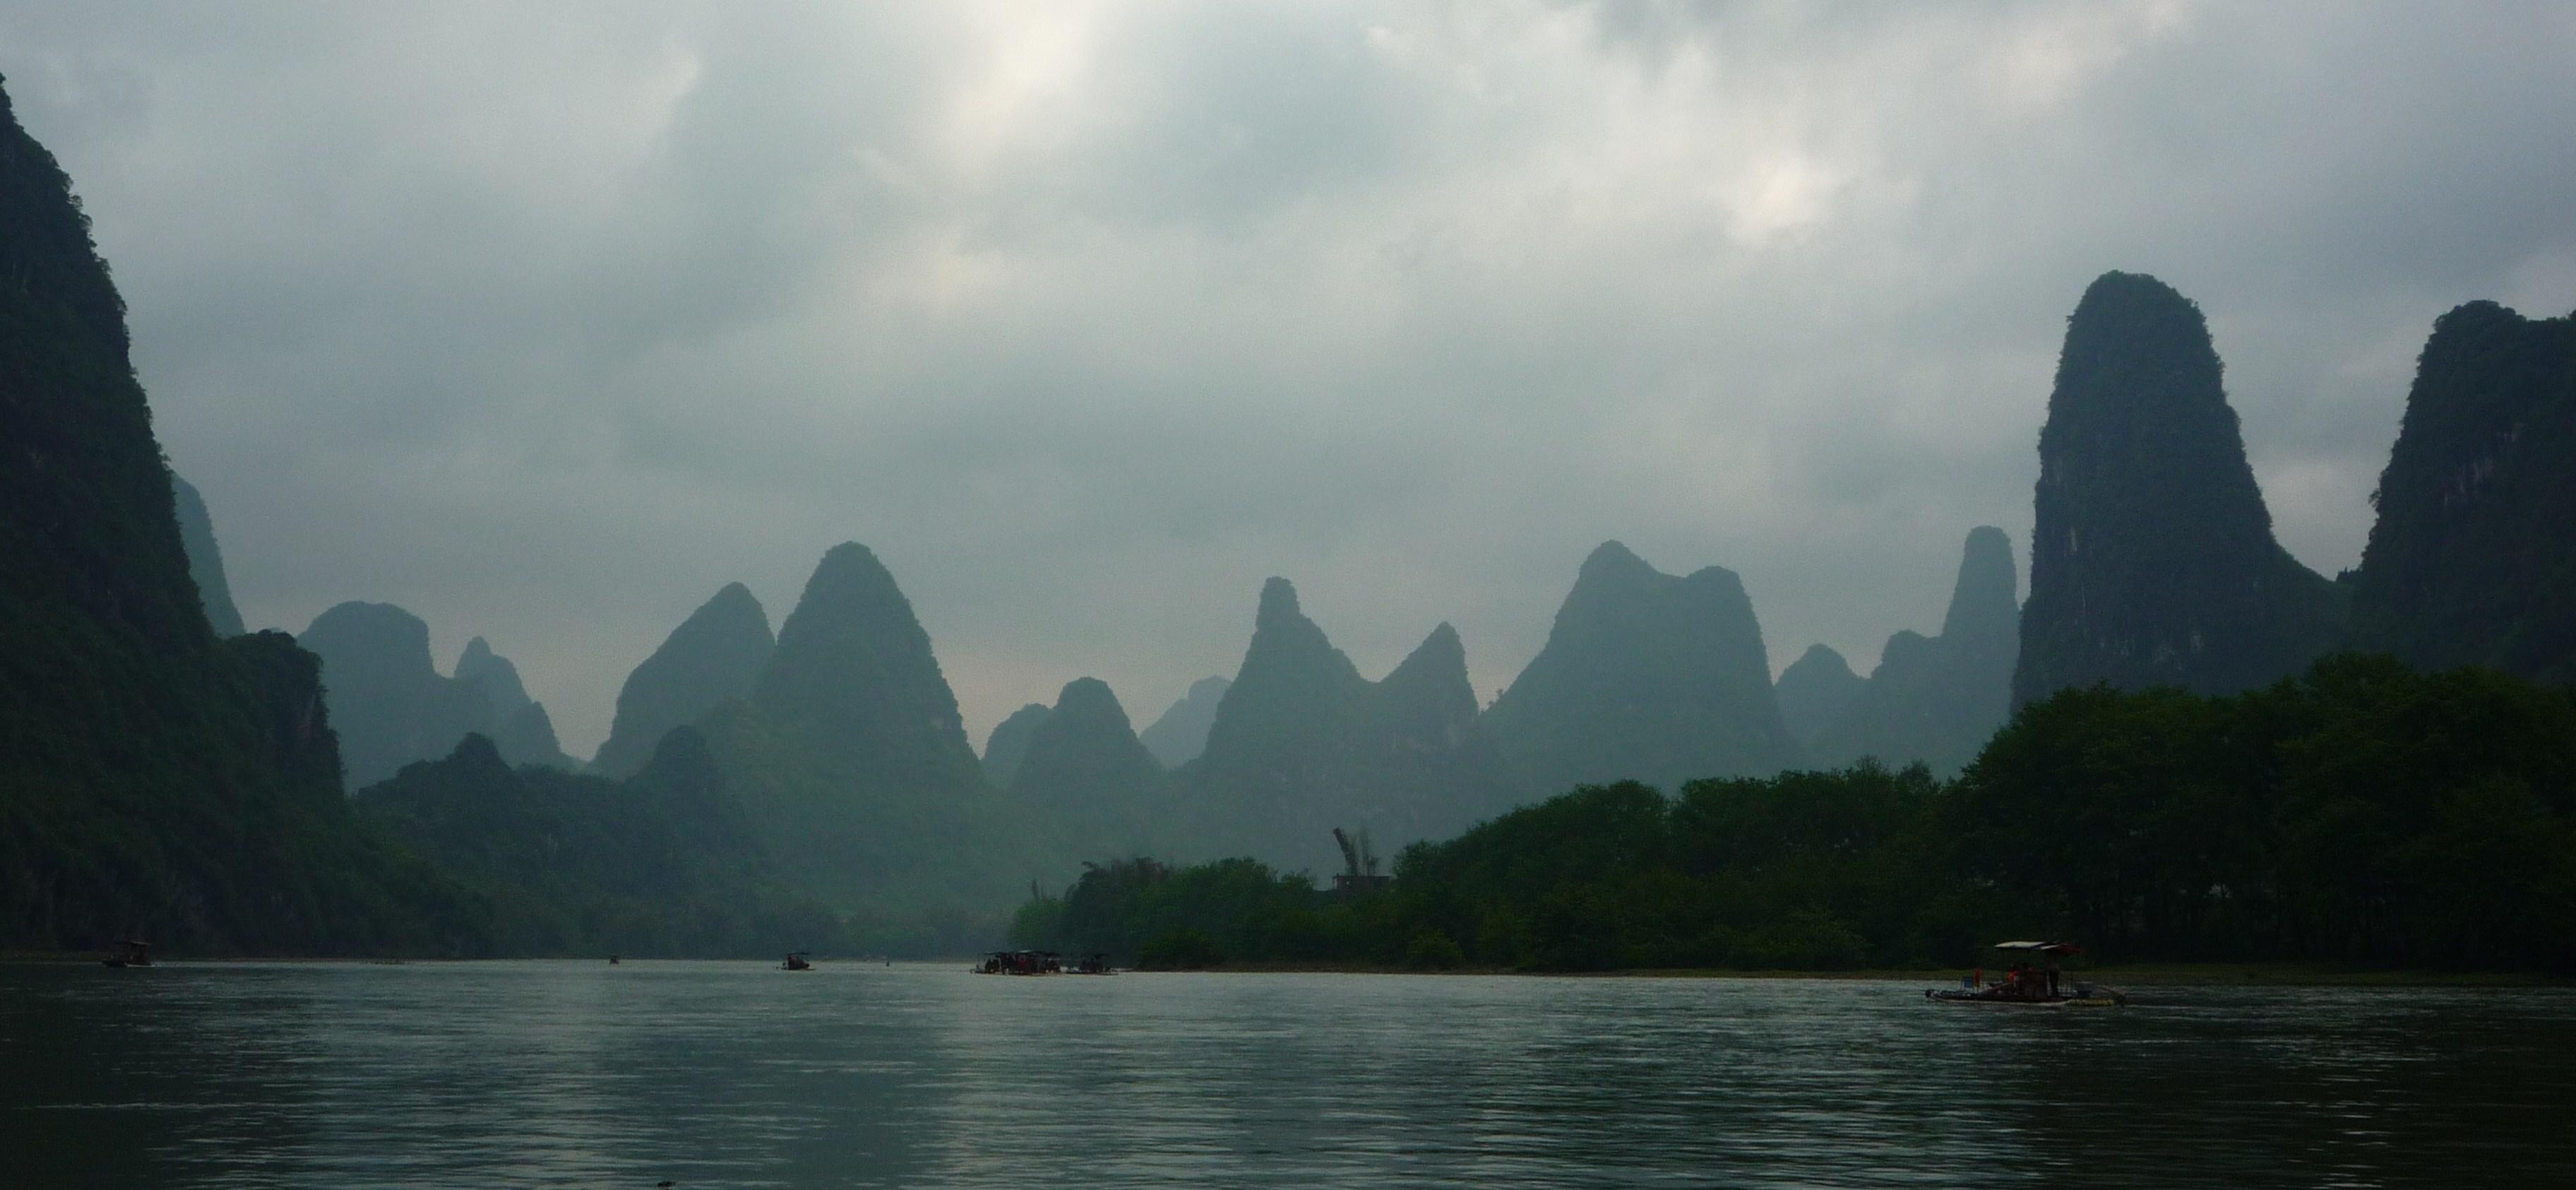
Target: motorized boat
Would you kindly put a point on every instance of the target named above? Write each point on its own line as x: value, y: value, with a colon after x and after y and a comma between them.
x: 2032, y: 979
x: 796, y: 961
x: 130, y: 954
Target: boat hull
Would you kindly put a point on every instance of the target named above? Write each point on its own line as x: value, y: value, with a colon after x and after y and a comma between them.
x: 2099, y: 999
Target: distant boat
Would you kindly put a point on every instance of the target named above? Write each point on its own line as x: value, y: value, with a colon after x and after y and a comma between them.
x: 2028, y: 986
x: 796, y: 961
x: 133, y: 954
x: 1022, y: 962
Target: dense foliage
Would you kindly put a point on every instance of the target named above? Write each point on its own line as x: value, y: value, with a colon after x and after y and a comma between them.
x: 2362, y: 813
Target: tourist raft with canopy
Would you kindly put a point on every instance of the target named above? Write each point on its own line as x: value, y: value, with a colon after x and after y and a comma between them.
x: 2032, y: 979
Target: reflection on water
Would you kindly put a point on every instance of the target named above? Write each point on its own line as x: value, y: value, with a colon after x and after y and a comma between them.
x: 711, y: 1074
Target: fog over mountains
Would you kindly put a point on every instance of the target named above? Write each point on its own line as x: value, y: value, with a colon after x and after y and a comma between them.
x: 1089, y: 319
x: 891, y: 367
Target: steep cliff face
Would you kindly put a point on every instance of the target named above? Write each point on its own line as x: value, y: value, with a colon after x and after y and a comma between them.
x: 1813, y: 692
x: 1938, y: 700
x: 387, y: 698
x: 205, y: 559
x: 1181, y: 734
x: 2152, y: 560
x: 712, y: 658
x: 1302, y: 743
x: 2473, y: 558
x: 155, y: 782
x: 1645, y: 676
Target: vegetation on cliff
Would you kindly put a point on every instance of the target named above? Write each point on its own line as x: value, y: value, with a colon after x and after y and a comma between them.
x: 2473, y: 560
x: 2152, y: 557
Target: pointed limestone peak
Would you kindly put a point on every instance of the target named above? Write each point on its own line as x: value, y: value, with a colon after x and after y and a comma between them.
x: 1090, y: 702
x: 849, y: 589
x: 1906, y: 649
x: 1427, y: 698
x: 527, y: 736
x: 1287, y: 645
x: 1814, y: 691
x: 712, y: 658
x: 1612, y: 561
x: 476, y: 755
x: 2152, y: 557
x: 1293, y: 689
x: 1644, y: 676
x: 2468, y: 562
x: 499, y: 680
x: 1085, y: 753
x: 1436, y: 670
x: 1181, y: 734
x: 854, y: 671
x: 1985, y: 602
x: 1009, y: 743
x: 205, y: 559
x: 1278, y: 603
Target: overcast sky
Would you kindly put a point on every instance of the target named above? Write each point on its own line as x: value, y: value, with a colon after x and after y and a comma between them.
x: 545, y: 322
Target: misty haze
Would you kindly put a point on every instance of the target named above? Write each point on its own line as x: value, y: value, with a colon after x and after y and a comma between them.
x: 631, y: 594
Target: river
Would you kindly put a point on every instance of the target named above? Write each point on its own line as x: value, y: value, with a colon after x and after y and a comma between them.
x: 737, y: 1074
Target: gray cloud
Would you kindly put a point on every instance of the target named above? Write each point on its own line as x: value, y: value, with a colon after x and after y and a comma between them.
x: 546, y: 323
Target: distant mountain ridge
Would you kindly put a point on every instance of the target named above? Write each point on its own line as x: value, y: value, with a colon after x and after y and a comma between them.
x: 205, y: 559
x: 1645, y: 676
x: 1814, y: 691
x: 1083, y: 765
x: 394, y: 707
x: 1301, y: 744
x: 852, y: 761
x: 1937, y: 700
x: 715, y: 656
x: 1181, y: 733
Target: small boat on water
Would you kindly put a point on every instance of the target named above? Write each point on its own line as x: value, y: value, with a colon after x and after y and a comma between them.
x: 130, y: 954
x: 2032, y: 979
x: 796, y: 961
x: 1092, y: 964
x: 1021, y: 962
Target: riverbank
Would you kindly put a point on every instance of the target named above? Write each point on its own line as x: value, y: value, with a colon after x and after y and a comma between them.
x: 2124, y: 975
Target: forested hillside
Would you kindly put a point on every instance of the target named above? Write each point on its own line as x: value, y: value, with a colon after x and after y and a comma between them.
x: 159, y: 783
x: 2361, y: 813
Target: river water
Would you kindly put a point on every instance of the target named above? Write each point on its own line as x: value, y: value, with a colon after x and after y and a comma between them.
x: 736, y: 1074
